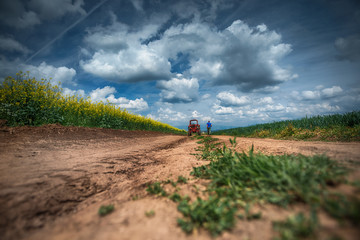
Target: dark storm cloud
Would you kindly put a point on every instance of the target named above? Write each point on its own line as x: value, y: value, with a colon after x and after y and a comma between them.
x: 348, y: 48
x: 23, y: 14
x: 14, y: 14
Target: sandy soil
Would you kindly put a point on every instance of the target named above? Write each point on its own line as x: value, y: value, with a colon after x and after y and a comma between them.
x: 53, y: 180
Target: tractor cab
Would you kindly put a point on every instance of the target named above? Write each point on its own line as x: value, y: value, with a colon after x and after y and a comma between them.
x: 194, y: 127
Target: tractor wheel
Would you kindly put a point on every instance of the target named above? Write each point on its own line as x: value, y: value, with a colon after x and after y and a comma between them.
x: 189, y: 133
x: 199, y: 133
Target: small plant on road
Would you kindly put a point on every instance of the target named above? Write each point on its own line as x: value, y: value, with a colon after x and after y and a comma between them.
x: 181, y: 179
x: 297, y: 227
x: 156, y: 189
x: 150, y: 213
x: 105, y: 209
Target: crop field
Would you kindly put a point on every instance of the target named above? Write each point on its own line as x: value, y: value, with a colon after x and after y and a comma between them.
x: 27, y: 101
x: 337, y: 127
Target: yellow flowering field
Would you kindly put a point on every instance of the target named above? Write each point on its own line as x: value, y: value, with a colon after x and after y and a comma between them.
x: 27, y: 101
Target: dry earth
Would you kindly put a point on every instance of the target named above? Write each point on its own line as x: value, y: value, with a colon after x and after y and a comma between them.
x: 53, y: 180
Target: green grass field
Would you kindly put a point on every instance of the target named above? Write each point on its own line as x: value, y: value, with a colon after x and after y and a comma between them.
x: 337, y: 127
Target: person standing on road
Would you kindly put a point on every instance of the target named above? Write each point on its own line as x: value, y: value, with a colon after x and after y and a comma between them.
x: 209, y: 127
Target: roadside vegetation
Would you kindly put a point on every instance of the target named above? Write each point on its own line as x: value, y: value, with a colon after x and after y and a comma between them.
x: 239, y: 181
x: 337, y: 127
x: 27, y: 101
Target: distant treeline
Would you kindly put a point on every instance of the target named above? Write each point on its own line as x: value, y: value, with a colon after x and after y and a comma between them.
x: 336, y: 127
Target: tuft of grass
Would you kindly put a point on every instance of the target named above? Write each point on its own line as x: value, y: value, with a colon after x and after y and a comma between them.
x: 297, y: 227
x: 105, y: 209
x: 238, y: 180
x: 276, y: 179
x: 150, y: 213
x: 175, y: 197
x: 214, y: 214
x: 342, y: 207
x: 249, y: 216
x: 156, y: 189
x: 181, y: 179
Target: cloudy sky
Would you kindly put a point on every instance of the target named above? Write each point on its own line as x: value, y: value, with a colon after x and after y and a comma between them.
x: 234, y: 62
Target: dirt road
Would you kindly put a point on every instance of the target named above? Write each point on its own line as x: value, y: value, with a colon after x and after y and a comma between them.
x: 53, y: 180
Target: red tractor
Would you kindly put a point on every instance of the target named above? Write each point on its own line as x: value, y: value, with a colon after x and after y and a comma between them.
x: 194, y: 127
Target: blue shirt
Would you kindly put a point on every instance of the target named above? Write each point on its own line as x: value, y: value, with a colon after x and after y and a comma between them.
x: 209, y: 125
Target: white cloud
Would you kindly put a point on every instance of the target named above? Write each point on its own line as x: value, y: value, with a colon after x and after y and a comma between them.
x: 58, y: 74
x: 205, y: 96
x: 196, y: 114
x: 240, y: 56
x: 136, y: 105
x: 120, y: 55
x: 299, y: 110
x: 133, y: 65
x: 266, y: 100
x: 228, y: 99
x: 200, y: 117
x: 179, y: 89
x: 253, y: 111
x: 220, y: 110
x: 166, y: 114
x: 11, y: 45
x: 310, y: 95
x: 100, y: 94
x: 262, y: 27
x: 331, y: 92
x: 273, y: 108
x: 69, y: 92
x: 318, y: 94
x: 106, y: 94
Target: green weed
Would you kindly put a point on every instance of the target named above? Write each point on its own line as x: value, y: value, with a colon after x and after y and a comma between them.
x: 181, y: 179
x: 105, y: 209
x: 342, y: 207
x: 150, y: 213
x: 297, y: 227
x: 248, y: 215
x: 214, y: 214
x: 175, y: 197
x: 156, y: 189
